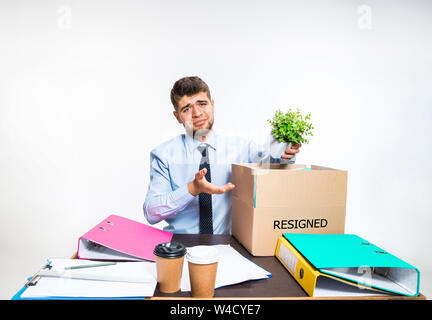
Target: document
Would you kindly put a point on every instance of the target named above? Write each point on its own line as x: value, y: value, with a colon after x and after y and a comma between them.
x: 78, y: 278
x: 232, y: 268
x: 124, y: 279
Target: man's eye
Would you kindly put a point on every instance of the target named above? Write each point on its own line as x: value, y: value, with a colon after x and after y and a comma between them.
x: 185, y: 110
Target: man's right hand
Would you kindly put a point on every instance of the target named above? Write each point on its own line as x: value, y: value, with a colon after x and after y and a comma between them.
x: 200, y: 184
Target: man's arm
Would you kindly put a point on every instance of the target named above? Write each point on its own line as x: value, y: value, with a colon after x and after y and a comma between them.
x: 258, y: 154
x: 161, y: 201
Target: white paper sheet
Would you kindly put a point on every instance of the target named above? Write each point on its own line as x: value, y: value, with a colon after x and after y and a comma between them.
x: 73, y: 288
x: 232, y: 268
x: 368, y: 277
x: 327, y: 287
x: 120, y: 271
x: 50, y: 286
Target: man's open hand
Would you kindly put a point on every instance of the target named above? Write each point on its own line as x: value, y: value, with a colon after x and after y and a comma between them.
x: 200, y: 184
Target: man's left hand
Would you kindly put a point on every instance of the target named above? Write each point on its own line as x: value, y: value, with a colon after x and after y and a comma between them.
x: 291, y: 152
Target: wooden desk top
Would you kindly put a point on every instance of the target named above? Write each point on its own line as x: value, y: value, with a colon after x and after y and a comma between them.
x: 280, y: 286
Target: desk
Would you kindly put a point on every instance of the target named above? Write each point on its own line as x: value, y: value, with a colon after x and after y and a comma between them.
x: 280, y: 286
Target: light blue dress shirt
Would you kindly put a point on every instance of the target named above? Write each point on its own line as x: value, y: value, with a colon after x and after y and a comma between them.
x: 173, y: 165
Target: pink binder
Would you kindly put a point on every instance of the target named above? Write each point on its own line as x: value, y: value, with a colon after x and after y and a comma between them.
x: 119, y: 238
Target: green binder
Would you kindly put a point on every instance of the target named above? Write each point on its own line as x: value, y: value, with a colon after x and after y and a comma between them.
x: 352, y: 258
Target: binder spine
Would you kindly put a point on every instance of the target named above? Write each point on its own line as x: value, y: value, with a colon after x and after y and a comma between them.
x: 302, y: 271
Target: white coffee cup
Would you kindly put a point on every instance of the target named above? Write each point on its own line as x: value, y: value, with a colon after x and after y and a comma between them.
x: 202, y: 263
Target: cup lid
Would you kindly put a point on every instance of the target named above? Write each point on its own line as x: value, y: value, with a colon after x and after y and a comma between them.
x: 170, y: 250
x: 202, y: 254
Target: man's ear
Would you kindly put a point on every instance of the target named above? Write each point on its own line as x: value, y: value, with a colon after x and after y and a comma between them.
x: 177, y: 116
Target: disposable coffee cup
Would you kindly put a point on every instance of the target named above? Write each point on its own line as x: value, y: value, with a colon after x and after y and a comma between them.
x: 169, y: 265
x: 202, y: 263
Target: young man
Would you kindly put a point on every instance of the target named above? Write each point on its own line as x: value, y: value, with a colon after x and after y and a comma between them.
x: 190, y: 174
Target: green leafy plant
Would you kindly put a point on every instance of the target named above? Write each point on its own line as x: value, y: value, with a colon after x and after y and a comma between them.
x: 291, y: 126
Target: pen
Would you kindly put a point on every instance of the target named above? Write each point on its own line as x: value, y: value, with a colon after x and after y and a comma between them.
x: 90, y: 266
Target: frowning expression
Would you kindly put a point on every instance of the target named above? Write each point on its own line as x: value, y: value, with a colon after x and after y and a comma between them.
x: 195, y: 112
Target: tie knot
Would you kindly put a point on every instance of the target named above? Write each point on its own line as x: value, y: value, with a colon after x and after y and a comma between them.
x: 203, y: 150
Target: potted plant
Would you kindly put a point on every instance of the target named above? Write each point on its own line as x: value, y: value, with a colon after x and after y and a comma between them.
x: 288, y: 129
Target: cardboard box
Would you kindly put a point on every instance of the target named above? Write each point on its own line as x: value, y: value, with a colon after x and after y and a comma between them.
x: 269, y: 200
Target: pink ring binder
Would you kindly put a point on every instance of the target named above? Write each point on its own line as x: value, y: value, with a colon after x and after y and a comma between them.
x: 120, y: 238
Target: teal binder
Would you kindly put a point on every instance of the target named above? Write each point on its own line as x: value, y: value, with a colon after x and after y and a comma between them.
x: 352, y: 258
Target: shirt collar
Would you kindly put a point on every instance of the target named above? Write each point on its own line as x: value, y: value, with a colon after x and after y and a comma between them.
x: 193, y: 143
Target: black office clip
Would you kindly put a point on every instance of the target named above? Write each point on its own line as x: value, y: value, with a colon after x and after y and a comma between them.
x: 34, y: 280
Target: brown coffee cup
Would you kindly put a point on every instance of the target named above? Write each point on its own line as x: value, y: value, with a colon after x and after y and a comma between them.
x: 169, y: 265
x: 202, y: 263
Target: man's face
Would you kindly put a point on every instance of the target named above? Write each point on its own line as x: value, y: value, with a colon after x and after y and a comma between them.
x: 196, y: 113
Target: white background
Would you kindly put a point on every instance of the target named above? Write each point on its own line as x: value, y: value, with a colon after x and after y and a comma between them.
x: 84, y: 97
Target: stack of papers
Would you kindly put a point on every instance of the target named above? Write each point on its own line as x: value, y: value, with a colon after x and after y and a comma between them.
x: 128, y: 279
x: 124, y: 279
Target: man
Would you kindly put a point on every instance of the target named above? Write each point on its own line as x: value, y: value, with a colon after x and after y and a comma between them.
x: 190, y: 174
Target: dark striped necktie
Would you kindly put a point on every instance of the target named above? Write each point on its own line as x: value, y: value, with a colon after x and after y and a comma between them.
x: 205, y: 199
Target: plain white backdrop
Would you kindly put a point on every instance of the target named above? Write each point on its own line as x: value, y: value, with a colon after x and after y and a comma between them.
x: 84, y: 97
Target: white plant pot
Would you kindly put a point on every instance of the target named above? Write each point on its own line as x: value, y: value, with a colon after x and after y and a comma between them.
x: 277, y: 148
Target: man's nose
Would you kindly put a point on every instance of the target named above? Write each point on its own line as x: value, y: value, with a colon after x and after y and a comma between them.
x: 196, y: 111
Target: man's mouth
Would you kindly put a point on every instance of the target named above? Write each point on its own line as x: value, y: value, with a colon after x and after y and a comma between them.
x: 199, y: 123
